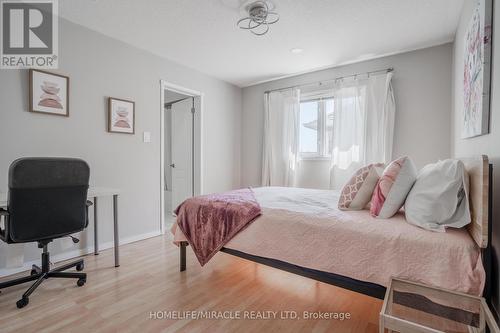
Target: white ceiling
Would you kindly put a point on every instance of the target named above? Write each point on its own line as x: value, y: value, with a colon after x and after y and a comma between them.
x: 201, y: 34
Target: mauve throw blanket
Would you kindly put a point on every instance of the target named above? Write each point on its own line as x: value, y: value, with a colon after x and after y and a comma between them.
x: 210, y: 221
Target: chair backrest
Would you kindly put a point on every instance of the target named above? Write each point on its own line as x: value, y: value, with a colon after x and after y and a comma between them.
x: 47, y: 198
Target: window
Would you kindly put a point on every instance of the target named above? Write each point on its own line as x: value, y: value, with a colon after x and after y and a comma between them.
x: 316, y: 128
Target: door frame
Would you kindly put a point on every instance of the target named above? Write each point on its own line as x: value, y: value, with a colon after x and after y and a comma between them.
x: 165, y: 85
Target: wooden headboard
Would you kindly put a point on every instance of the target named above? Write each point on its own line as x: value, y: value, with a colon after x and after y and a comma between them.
x: 479, y: 173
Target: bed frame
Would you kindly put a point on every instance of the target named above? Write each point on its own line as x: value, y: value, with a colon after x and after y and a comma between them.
x: 480, y: 196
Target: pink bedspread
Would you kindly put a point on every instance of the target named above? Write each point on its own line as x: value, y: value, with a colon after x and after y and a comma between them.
x: 304, y: 227
x: 210, y: 221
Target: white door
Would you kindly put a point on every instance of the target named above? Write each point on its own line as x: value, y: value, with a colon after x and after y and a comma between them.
x: 181, y: 152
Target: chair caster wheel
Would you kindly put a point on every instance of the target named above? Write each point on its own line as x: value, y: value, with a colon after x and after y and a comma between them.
x: 22, y: 302
x: 80, y: 267
x: 33, y: 272
x: 80, y: 282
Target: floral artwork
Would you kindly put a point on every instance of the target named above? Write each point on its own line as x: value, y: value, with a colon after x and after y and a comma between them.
x: 121, y: 115
x: 49, y: 93
x: 476, y: 83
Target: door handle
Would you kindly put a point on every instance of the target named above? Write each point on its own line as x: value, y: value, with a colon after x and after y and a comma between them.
x: 172, y: 165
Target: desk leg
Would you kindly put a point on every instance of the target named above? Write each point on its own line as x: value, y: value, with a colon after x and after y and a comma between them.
x: 117, y: 242
x: 96, y: 241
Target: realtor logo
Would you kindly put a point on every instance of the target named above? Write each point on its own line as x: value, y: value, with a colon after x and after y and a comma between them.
x: 29, y: 34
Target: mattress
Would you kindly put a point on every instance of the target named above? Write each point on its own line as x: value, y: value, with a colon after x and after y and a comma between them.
x: 304, y: 227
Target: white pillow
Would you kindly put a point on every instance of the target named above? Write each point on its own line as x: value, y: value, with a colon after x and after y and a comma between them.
x: 440, y: 197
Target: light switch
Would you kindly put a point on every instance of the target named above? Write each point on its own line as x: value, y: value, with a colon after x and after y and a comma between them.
x: 146, y: 137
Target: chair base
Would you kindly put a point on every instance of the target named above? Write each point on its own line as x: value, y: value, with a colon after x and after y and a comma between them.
x: 39, y: 274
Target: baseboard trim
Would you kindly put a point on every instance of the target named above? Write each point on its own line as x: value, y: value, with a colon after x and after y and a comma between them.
x: 77, y: 253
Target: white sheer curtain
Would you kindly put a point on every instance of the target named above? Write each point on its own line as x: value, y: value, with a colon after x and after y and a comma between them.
x: 281, y: 128
x: 363, y: 125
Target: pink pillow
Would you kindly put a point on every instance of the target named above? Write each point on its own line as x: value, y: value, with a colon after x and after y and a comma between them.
x: 357, y: 192
x: 393, y: 187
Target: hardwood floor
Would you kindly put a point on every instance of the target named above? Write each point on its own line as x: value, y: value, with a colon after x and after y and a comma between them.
x: 149, y: 283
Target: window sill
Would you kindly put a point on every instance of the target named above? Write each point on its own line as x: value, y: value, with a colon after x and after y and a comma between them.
x: 315, y: 158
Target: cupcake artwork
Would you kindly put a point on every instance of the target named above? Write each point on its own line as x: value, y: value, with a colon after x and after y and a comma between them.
x: 121, y: 115
x: 49, y: 98
x: 49, y: 93
x: 121, y: 119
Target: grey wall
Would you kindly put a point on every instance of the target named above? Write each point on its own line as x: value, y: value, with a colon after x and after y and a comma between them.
x: 486, y: 144
x: 422, y: 84
x: 100, y: 67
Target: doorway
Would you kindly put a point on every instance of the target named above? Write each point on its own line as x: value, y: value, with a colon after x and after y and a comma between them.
x: 181, y: 149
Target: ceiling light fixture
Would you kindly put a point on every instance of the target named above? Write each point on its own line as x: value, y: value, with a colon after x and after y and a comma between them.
x: 297, y: 50
x: 259, y: 18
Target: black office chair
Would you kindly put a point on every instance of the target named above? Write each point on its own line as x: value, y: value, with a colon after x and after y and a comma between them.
x: 47, y: 200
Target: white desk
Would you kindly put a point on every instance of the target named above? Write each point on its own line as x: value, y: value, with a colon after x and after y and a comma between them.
x: 93, y: 194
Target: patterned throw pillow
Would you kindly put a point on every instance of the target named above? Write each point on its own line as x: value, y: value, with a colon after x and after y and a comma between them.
x: 357, y: 192
x: 393, y: 187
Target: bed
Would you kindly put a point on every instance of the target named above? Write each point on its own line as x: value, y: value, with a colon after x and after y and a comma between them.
x: 302, y: 231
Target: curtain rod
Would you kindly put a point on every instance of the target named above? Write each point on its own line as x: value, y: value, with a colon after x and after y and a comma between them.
x: 320, y: 83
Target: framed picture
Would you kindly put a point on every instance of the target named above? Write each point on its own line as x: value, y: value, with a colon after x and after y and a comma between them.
x: 49, y: 93
x: 121, y: 116
x: 477, y: 71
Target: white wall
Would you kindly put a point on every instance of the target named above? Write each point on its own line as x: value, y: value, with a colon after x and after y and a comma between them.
x: 314, y: 174
x: 100, y: 67
x: 422, y: 85
x: 486, y: 144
